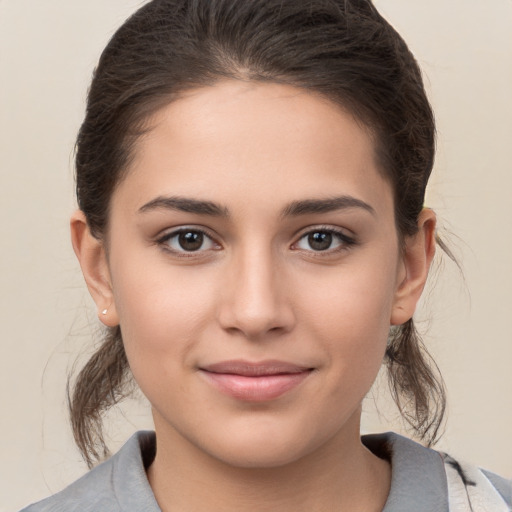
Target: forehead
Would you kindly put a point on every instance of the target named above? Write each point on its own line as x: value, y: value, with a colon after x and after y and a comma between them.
x: 246, y: 141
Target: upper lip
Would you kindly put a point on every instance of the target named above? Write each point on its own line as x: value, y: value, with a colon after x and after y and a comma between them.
x: 255, y: 369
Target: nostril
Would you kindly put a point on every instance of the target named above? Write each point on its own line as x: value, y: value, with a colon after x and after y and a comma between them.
x: 257, y: 328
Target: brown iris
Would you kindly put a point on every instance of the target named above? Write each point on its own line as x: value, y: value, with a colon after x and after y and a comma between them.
x: 191, y: 240
x: 320, y: 240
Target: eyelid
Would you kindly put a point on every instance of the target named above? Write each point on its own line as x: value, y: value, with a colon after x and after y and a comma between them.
x: 170, y: 233
x: 346, y: 239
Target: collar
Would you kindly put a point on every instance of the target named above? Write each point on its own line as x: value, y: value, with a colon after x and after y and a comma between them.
x: 418, y: 479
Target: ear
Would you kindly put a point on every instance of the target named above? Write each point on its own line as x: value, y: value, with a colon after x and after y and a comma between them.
x: 92, y: 257
x: 416, y: 259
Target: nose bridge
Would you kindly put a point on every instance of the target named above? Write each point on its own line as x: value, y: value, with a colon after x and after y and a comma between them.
x: 254, y: 300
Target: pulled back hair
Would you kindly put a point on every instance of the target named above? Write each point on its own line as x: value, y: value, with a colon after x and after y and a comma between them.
x: 341, y: 49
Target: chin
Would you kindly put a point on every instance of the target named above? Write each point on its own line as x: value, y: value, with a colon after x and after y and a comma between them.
x: 263, y: 448
x: 260, y: 457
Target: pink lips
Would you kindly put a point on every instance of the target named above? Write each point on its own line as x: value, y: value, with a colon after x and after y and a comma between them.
x: 255, y: 382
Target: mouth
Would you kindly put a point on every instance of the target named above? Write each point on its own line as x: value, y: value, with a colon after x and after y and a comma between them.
x: 255, y: 382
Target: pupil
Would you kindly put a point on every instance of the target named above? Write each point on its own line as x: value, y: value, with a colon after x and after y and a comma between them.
x: 320, y: 241
x: 191, y: 240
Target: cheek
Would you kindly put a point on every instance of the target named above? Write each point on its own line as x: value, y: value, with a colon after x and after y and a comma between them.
x: 349, y: 311
x: 162, y: 309
x: 358, y: 297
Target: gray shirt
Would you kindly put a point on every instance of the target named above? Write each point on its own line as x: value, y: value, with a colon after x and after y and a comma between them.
x: 418, y: 480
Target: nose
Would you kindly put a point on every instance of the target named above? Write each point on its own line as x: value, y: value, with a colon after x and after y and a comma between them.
x: 255, y: 300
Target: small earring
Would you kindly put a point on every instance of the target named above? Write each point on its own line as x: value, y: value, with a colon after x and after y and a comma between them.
x: 104, y: 312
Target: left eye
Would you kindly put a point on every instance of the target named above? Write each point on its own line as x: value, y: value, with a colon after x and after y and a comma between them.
x: 188, y: 240
x: 323, y: 240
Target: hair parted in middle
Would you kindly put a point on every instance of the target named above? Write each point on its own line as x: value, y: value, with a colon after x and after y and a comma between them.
x: 342, y: 50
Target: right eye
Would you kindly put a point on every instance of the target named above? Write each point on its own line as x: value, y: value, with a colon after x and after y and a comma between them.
x: 187, y: 240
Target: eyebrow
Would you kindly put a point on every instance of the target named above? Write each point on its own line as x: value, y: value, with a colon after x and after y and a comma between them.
x: 294, y: 209
x: 185, y: 204
x: 312, y: 206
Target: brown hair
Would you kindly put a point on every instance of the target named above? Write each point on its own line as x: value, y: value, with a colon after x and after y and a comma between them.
x: 341, y: 49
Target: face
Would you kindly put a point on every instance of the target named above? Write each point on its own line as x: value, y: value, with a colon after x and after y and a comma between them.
x: 255, y: 269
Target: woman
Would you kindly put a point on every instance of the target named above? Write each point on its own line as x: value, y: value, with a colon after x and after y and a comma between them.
x: 251, y: 179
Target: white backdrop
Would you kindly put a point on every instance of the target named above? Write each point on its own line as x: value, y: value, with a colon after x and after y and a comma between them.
x: 48, y: 49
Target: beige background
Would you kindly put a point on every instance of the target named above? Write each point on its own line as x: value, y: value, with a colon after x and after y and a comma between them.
x: 47, y: 51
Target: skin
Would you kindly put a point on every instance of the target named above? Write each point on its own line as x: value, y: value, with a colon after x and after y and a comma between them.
x: 257, y: 289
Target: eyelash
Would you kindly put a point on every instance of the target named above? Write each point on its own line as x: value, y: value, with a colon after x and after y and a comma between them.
x: 345, y: 241
x: 165, y: 239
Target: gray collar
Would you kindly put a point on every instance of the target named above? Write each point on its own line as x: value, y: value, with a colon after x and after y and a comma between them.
x: 418, y: 480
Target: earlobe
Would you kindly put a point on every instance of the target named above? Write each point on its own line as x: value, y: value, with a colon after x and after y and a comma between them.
x: 416, y: 259
x: 93, y: 261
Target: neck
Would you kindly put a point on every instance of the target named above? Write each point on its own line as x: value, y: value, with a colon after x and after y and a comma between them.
x: 340, y: 475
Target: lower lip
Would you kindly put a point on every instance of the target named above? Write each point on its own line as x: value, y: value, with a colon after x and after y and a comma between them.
x: 255, y: 389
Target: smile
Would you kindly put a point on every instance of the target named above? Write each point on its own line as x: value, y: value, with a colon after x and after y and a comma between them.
x: 255, y: 382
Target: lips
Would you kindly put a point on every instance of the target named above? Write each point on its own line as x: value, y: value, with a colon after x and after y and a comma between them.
x: 255, y: 382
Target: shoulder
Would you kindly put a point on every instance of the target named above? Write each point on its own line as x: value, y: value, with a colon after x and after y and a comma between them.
x: 425, y: 480
x: 109, y: 487
x: 94, y: 491
x: 475, y: 488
